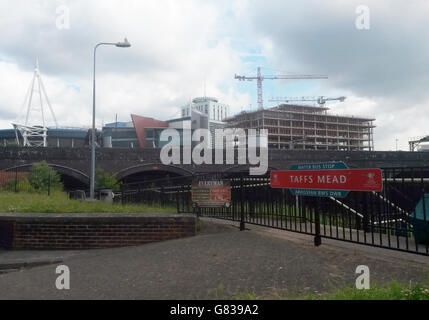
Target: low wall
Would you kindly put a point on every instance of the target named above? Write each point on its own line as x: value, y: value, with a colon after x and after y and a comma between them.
x: 20, y: 231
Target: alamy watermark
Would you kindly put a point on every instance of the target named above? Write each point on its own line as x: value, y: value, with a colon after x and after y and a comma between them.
x: 197, y: 148
x: 363, y: 20
x: 363, y: 281
x: 63, y: 280
x: 62, y: 21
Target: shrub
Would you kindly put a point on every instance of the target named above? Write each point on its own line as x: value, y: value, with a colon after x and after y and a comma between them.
x: 105, y: 180
x: 42, y: 177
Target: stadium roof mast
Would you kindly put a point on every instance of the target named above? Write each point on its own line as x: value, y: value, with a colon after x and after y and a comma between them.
x: 260, y: 78
x: 35, y: 135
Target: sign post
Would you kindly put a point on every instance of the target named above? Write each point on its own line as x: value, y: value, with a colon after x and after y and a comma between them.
x: 330, y: 179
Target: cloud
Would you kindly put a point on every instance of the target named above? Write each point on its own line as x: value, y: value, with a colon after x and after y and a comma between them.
x: 386, y: 66
x: 177, y: 46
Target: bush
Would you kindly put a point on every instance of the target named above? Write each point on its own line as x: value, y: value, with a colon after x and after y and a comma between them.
x: 22, y: 185
x: 105, y: 180
x: 43, y: 178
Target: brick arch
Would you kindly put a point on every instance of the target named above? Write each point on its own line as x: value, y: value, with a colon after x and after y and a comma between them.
x: 63, y: 170
x: 153, y: 167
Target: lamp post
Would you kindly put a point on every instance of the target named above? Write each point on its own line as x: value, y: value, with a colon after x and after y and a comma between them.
x: 124, y: 44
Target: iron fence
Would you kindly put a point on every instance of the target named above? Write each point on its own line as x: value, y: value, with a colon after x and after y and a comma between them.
x: 19, y: 180
x: 396, y: 218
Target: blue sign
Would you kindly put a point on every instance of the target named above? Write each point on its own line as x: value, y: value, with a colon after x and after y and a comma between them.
x: 319, y: 166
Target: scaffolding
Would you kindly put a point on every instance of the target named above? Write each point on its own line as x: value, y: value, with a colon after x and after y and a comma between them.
x: 301, y: 127
x: 414, y: 143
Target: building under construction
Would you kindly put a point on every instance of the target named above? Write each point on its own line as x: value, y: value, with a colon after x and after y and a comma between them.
x: 292, y: 126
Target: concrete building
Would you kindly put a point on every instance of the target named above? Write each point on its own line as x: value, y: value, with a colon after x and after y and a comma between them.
x: 209, y: 106
x: 119, y: 135
x: 308, y: 128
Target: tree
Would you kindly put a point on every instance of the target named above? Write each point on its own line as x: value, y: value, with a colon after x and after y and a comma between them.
x: 43, y: 178
x: 106, y: 181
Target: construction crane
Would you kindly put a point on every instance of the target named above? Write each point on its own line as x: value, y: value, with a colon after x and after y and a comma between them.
x: 260, y: 78
x: 320, y: 100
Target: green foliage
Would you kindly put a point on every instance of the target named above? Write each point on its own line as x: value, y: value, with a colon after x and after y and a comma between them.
x: 390, y: 291
x: 22, y: 185
x: 59, y: 202
x: 42, y: 177
x: 105, y: 180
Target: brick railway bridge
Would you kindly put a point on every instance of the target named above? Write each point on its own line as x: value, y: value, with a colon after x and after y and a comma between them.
x: 138, y: 164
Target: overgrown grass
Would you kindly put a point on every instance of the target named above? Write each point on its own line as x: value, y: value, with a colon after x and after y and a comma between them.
x: 391, y: 291
x: 58, y: 202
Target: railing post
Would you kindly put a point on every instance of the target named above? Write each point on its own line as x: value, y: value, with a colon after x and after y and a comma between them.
x: 177, y: 200
x: 162, y: 197
x: 182, y: 187
x: 242, y: 224
x: 49, y: 184
x: 122, y: 195
x: 16, y: 180
x: 317, y: 237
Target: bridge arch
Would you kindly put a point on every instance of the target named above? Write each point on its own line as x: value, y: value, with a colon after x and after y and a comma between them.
x: 71, y: 178
x: 152, y: 168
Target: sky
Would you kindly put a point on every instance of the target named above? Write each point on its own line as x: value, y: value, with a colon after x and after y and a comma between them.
x: 376, y: 57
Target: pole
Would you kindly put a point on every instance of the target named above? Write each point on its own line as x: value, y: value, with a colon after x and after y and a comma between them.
x: 124, y: 44
x: 92, y: 182
x: 317, y: 236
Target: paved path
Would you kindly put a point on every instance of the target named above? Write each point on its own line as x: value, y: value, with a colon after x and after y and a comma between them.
x: 215, y: 264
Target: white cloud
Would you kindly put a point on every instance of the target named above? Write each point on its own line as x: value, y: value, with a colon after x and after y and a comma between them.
x: 177, y: 46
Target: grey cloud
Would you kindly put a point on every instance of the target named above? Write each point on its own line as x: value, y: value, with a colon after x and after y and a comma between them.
x: 387, y: 61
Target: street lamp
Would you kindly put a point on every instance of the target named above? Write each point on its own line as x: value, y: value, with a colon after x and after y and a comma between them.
x: 123, y: 44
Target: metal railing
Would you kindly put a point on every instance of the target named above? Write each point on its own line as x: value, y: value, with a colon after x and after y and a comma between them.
x: 396, y: 218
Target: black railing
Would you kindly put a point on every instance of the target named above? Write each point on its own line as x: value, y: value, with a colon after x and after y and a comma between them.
x: 396, y: 218
x: 19, y: 180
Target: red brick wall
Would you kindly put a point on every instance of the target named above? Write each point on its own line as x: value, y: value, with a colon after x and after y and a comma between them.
x: 96, y: 233
x: 6, y: 234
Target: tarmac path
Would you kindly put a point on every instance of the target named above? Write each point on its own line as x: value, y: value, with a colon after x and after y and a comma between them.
x: 216, y: 264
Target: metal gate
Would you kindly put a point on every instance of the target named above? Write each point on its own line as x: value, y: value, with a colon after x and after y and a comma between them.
x: 396, y: 218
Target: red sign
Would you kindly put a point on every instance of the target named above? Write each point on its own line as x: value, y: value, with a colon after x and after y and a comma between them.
x: 211, y: 193
x: 347, y: 179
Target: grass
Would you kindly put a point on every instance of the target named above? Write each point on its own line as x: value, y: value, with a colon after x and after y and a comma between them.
x: 390, y: 291
x: 58, y: 202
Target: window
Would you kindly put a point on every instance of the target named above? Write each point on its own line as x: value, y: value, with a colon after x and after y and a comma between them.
x: 149, y: 133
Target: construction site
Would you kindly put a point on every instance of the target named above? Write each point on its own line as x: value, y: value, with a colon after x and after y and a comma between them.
x: 293, y: 126
x: 304, y: 127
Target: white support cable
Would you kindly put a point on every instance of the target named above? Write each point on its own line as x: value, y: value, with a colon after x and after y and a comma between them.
x: 30, y: 98
x: 41, y: 100
x: 49, y: 104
